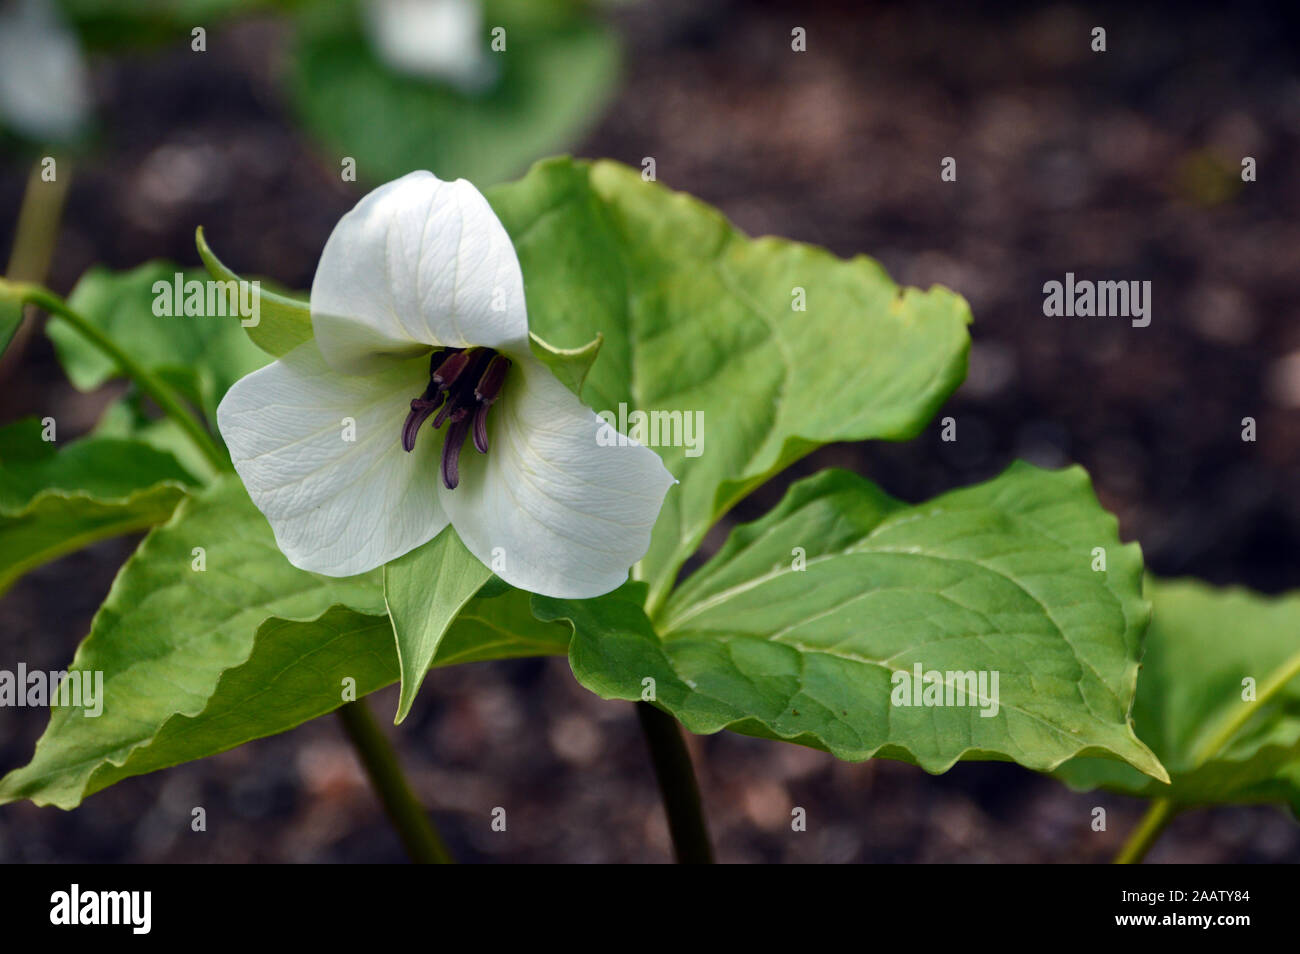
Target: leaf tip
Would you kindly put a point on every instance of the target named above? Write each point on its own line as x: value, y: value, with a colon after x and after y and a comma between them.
x: 403, y: 710
x: 1147, y: 763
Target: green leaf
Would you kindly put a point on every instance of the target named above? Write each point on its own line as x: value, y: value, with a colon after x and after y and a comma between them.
x: 53, y: 503
x: 558, y: 73
x: 203, y: 354
x: 295, y: 672
x: 425, y: 589
x: 197, y: 662
x: 168, y: 631
x: 128, y: 419
x: 284, y: 322
x: 570, y: 365
x: 994, y: 578
x: 698, y: 319
x: 500, y: 625
x: 1202, y: 644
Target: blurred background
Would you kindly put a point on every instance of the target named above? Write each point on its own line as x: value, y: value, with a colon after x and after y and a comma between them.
x: 1122, y: 165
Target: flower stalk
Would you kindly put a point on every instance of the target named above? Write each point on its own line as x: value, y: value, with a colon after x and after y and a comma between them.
x: 35, y: 235
x: 1158, y: 816
x: 1162, y: 811
x: 421, y: 839
x: 677, y: 785
x: 144, y: 379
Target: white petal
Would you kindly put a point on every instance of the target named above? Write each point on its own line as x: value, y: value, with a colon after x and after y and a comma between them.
x: 337, y: 507
x: 548, y: 508
x: 419, y: 262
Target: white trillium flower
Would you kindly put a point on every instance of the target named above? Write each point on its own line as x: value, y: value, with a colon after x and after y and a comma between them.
x: 44, y: 83
x: 433, y: 39
x: 419, y: 317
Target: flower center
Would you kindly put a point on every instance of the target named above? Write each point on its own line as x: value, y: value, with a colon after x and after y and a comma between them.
x: 463, y: 384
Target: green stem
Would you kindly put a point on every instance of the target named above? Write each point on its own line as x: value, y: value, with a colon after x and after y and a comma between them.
x: 1234, y: 723
x: 35, y: 235
x: 422, y: 841
x: 677, y: 785
x: 37, y: 229
x: 145, y: 379
x: 1162, y: 810
x: 1160, y: 813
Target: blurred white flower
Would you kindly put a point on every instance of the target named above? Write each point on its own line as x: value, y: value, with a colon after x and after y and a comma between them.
x: 44, y: 84
x: 433, y: 39
x: 419, y: 316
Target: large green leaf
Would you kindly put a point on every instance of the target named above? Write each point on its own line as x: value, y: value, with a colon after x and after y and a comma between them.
x: 555, y: 76
x: 425, y: 590
x: 168, y: 630
x: 294, y: 672
x: 298, y: 671
x: 55, y: 502
x: 197, y: 662
x: 697, y: 317
x: 995, y: 578
x: 201, y: 355
x: 1203, y: 643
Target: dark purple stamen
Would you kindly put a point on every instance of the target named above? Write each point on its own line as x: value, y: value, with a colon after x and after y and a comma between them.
x: 489, y: 386
x: 445, y: 374
x: 487, y: 391
x: 463, y: 384
x: 421, y: 408
x: 480, y: 428
x: 443, y: 415
x: 451, y: 448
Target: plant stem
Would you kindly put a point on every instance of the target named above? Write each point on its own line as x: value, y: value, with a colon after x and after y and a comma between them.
x: 35, y: 234
x: 1160, y: 813
x: 421, y: 839
x: 677, y: 785
x: 1274, y: 684
x: 37, y: 228
x: 145, y: 379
